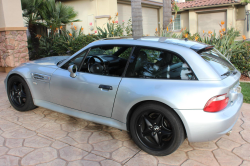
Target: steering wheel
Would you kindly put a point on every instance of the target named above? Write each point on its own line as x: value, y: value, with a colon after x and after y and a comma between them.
x: 96, y: 67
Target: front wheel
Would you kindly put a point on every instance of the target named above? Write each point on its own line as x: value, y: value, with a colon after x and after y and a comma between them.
x: 156, y: 129
x: 19, y: 94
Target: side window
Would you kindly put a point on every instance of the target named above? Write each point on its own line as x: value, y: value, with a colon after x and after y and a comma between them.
x: 76, y: 60
x: 107, y: 60
x: 157, y: 64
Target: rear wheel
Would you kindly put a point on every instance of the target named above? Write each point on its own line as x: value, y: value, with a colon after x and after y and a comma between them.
x: 156, y: 129
x: 19, y: 94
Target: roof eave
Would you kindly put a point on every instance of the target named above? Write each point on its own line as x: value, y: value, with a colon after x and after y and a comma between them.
x: 211, y: 6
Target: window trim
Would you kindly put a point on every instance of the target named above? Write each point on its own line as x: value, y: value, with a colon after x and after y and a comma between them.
x: 150, y: 47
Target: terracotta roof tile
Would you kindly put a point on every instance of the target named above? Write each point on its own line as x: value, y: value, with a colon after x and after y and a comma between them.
x: 200, y: 3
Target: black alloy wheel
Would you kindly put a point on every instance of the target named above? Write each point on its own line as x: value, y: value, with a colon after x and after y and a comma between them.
x: 156, y: 129
x: 19, y: 94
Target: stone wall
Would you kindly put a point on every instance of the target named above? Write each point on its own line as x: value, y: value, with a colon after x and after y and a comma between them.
x: 13, y: 48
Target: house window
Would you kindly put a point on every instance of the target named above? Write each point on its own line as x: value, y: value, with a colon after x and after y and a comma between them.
x: 177, y: 22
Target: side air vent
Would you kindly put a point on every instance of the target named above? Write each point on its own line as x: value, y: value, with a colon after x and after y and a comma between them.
x: 41, y: 77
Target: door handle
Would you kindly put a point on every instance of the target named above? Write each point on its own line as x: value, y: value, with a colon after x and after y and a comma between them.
x: 107, y: 87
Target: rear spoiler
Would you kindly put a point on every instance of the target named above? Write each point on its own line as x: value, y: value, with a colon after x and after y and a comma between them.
x: 201, y: 48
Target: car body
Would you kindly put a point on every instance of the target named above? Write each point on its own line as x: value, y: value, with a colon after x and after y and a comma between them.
x: 81, y: 96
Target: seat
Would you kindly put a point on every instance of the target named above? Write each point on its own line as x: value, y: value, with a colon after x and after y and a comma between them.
x: 140, y: 62
x: 164, y: 64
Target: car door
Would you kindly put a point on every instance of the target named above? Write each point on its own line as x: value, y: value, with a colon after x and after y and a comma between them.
x: 89, y: 92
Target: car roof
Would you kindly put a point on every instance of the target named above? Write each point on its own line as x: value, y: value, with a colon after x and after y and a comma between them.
x: 196, y: 46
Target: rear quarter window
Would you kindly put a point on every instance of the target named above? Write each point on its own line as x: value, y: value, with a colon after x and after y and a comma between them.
x: 218, y: 62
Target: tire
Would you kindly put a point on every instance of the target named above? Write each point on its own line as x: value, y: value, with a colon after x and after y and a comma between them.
x: 19, y: 94
x: 168, y: 128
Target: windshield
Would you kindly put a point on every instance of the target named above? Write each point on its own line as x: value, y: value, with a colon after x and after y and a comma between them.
x: 219, y: 62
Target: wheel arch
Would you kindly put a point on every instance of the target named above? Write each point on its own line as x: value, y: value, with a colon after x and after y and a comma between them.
x: 133, y: 108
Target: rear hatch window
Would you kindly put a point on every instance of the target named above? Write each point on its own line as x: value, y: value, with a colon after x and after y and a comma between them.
x: 220, y: 63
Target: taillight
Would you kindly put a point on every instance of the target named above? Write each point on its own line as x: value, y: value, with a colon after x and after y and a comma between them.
x: 216, y: 103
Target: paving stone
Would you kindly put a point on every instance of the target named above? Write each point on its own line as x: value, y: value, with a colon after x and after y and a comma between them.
x: 93, y: 157
x: 175, y: 158
x: 246, y: 135
x: 237, y: 127
x: 74, y: 126
x: 70, y: 153
x: 6, y: 112
x: 3, y: 150
x: 103, y: 154
x: 18, y: 133
x: 185, y: 146
x: 227, y: 144
x: 30, y: 118
x: 107, y: 146
x: 13, y: 119
x: 245, y: 163
x: 56, y: 134
x: 246, y: 124
x: 7, y: 160
x: 33, y: 126
x: 226, y: 158
x: 122, y: 154
x: 80, y: 136
x: 56, y: 162
x: 192, y: 163
x: 142, y: 160
x: 14, y: 143
x: 37, y: 142
x: 93, y: 127
x: 203, y: 156
x: 52, y: 126
x: 121, y: 135
x: 6, y: 125
x: 86, y: 147
x: 109, y: 163
x: 1, y: 141
x: 99, y: 137
x: 63, y: 120
x: 20, y: 152
x: 83, y: 163
x: 68, y: 140
x: 236, y: 137
x: 110, y: 129
x: 203, y: 145
x: 243, y: 151
x: 39, y: 156
x: 58, y: 144
x: 131, y: 145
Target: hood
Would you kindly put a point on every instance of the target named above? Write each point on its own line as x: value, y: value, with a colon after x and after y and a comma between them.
x: 48, y: 61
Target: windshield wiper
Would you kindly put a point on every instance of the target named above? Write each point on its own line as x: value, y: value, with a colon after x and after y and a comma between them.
x: 226, y: 74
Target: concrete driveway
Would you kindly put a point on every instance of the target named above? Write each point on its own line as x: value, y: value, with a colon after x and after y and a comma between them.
x: 44, y: 137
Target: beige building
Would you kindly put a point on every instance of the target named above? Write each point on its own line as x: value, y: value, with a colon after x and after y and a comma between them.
x: 206, y: 15
x: 196, y: 15
x: 97, y: 12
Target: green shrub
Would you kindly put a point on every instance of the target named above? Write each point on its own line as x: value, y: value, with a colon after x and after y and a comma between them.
x: 65, y: 43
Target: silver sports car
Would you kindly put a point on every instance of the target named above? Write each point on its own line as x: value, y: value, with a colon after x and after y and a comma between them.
x: 160, y: 90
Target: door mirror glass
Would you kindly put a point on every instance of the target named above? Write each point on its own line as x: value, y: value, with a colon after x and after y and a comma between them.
x: 72, y: 69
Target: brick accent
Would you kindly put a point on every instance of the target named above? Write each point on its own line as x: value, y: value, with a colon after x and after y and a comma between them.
x: 13, y: 48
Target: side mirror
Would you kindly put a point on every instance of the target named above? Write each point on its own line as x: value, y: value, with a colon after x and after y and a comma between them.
x: 73, y: 70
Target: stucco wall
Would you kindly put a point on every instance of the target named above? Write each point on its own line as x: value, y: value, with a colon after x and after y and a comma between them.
x: 10, y: 13
x: 185, y: 20
x: 87, y: 10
